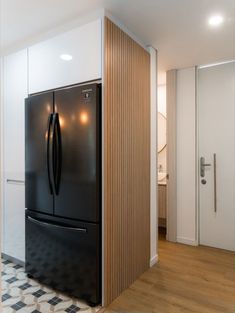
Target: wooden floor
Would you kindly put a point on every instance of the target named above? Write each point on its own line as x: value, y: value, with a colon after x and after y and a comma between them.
x: 186, y: 279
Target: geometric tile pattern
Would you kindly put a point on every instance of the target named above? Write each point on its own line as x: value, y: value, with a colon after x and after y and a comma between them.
x: 21, y: 294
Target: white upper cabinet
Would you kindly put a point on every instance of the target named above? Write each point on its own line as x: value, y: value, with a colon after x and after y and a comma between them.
x: 14, y: 92
x: 70, y: 58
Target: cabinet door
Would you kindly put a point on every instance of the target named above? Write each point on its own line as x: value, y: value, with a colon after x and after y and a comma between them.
x: 70, y: 58
x: 15, y: 91
x: 14, y: 224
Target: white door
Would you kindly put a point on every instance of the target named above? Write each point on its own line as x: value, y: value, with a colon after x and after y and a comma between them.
x: 216, y: 105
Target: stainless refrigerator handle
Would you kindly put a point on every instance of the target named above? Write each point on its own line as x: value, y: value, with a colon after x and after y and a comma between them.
x: 54, y: 159
x: 48, y: 152
x: 83, y: 230
x: 15, y: 181
x: 58, y: 150
x: 215, y: 183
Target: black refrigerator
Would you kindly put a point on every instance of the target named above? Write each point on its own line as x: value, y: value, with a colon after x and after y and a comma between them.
x: 63, y: 190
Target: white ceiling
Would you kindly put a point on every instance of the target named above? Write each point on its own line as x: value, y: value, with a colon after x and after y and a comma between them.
x: 178, y: 28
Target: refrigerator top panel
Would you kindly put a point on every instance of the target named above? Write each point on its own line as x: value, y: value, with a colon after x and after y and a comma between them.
x: 78, y: 193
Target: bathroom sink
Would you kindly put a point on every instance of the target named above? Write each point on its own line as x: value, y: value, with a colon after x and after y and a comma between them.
x: 161, y: 176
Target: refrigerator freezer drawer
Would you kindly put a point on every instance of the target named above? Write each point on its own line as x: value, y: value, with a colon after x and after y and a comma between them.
x: 65, y: 257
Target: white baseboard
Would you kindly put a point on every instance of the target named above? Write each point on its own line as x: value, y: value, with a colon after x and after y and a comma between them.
x: 12, y: 259
x: 187, y: 241
x: 154, y: 260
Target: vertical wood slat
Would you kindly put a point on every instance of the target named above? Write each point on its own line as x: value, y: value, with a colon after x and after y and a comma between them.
x: 126, y: 161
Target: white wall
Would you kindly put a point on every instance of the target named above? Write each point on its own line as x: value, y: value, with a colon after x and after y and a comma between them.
x: 186, y: 154
x: 162, y: 99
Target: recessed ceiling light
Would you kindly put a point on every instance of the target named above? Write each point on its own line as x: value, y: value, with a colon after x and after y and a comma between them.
x: 215, y: 20
x: 66, y: 57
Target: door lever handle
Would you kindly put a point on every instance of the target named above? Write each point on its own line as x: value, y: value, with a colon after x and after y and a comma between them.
x: 215, y: 183
x: 203, y: 165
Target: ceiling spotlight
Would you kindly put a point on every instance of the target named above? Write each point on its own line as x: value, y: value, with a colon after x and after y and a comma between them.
x: 215, y: 20
x: 66, y: 57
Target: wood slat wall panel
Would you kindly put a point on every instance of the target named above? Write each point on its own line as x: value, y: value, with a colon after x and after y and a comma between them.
x: 126, y: 161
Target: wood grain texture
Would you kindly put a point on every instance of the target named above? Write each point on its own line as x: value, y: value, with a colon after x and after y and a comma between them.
x: 171, y: 155
x: 126, y: 161
x: 186, y: 279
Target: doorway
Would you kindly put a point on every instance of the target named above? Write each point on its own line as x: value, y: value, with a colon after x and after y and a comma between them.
x: 216, y: 146
x: 162, y: 163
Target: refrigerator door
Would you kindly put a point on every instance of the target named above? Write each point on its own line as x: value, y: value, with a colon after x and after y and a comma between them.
x: 64, y: 255
x: 78, y: 195
x: 38, y: 175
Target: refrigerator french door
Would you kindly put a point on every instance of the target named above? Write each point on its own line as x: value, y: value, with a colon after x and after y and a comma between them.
x: 63, y: 195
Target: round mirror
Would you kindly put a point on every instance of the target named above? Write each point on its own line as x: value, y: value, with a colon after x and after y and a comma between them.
x: 161, y: 132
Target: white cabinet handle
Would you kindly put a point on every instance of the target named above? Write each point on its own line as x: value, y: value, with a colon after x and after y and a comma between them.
x: 15, y: 181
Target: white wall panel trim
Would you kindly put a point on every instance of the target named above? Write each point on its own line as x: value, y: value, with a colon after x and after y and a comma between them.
x: 154, y: 260
x: 187, y: 241
x: 153, y: 155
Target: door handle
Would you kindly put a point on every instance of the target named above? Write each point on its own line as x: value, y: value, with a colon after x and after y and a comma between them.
x: 15, y: 181
x: 48, y: 152
x: 203, y: 165
x: 56, y: 152
x: 53, y: 149
x: 59, y: 154
x: 215, y: 183
x: 40, y: 223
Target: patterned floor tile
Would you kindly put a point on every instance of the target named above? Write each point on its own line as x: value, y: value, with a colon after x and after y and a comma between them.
x: 21, y: 275
x: 25, y: 286
x: 7, y: 310
x: 15, y: 292
x: 64, y: 305
x: 21, y: 294
x: 10, y: 302
x: 72, y: 309
x: 18, y: 305
x: 10, y: 270
x: 6, y: 296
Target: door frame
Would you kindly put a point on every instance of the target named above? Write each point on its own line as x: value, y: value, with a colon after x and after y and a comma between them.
x: 172, y: 190
x: 171, y: 105
x: 1, y: 154
x: 197, y: 176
